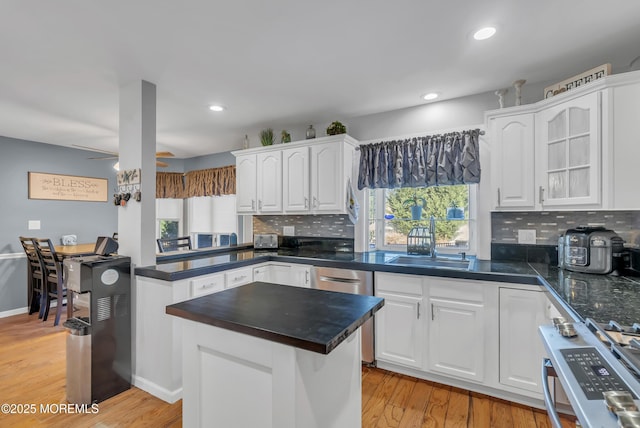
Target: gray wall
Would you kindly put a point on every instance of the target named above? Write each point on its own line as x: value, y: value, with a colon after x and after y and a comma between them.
x: 87, y: 220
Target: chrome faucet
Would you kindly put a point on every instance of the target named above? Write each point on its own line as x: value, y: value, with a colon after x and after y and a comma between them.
x: 432, y: 237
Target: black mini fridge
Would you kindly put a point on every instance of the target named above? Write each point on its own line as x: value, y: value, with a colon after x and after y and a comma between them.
x: 99, y: 340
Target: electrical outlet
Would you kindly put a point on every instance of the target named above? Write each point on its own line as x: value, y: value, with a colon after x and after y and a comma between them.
x: 34, y: 224
x: 526, y: 236
x: 288, y: 230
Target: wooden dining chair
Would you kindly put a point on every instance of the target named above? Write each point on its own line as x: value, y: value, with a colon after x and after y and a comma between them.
x: 53, y: 280
x: 35, y: 283
x: 173, y: 244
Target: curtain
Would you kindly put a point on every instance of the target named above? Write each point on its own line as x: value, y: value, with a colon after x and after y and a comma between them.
x: 211, y: 182
x: 436, y: 160
x: 169, y: 185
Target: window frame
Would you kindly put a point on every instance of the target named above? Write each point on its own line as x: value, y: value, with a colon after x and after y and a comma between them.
x: 379, y: 219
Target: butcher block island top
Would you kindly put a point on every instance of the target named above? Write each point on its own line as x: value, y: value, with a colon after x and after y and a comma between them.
x: 310, y: 319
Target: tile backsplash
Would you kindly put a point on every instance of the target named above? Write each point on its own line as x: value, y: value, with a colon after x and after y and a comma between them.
x: 328, y: 225
x: 550, y: 224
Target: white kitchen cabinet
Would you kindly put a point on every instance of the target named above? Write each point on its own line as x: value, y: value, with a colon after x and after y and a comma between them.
x: 328, y: 183
x: 237, y: 277
x: 457, y: 328
x: 295, y: 180
x: 512, y: 163
x: 207, y: 284
x: 284, y: 273
x: 259, y: 183
x: 568, y: 153
x: 521, y: 351
x: 400, y: 323
x: 246, y: 184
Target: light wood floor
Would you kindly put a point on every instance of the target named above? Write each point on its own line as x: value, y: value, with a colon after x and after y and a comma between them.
x: 32, y: 372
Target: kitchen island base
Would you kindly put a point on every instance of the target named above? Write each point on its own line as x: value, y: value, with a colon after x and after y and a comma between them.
x: 231, y: 379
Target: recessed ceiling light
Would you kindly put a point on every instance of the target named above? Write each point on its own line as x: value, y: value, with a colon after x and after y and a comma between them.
x: 430, y: 96
x: 216, y: 108
x: 484, y: 33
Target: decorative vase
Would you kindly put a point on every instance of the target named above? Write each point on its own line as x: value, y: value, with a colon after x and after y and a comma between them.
x: 311, y: 133
x: 518, y: 85
x: 416, y: 212
x: 455, y: 213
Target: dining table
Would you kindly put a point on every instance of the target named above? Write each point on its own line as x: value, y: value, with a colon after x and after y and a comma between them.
x: 77, y: 250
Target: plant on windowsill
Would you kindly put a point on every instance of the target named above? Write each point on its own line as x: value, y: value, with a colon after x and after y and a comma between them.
x: 417, y: 204
x: 455, y: 213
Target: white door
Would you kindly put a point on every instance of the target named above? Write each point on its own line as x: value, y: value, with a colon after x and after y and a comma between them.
x: 295, y: 179
x: 246, y: 190
x: 269, y: 182
x: 327, y: 182
x: 569, y: 153
x: 400, y: 330
x: 521, y: 352
x: 456, y: 339
x: 512, y: 161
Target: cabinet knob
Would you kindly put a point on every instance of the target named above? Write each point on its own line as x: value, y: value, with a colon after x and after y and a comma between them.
x: 541, y: 195
x: 306, y: 202
x: 259, y: 204
x: 253, y: 204
x: 498, y: 196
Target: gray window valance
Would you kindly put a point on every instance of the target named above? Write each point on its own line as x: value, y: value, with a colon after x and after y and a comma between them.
x: 435, y: 160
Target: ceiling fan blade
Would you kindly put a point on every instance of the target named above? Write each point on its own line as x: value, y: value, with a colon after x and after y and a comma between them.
x: 105, y: 157
x: 93, y: 149
x: 161, y: 164
x: 164, y: 155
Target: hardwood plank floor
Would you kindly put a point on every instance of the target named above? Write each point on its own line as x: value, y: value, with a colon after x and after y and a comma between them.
x: 32, y: 372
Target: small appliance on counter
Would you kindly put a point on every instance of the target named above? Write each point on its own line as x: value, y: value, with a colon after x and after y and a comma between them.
x: 591, y: 250
x: 265, y: 240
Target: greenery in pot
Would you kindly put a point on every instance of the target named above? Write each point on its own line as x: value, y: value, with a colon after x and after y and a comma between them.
x: 417, y: 204
x: 336, y: 128
x: 285, y: 137
x: 266, y: 137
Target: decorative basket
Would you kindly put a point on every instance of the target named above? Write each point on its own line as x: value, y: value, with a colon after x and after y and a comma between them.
x: 419, y: 241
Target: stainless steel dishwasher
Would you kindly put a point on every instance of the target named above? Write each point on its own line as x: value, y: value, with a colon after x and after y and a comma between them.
x: 352, y: 282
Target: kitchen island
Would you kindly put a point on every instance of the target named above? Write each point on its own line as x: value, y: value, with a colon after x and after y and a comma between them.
x: 265, y: 355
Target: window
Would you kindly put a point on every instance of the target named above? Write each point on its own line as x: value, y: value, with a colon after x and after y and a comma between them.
x: 391, y: 216
x: 168, y: 228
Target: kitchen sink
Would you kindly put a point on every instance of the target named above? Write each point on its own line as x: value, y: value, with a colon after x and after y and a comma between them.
x: 430, y: 262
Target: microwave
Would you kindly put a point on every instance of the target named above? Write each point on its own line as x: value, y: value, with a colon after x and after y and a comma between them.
x: 208, y: 239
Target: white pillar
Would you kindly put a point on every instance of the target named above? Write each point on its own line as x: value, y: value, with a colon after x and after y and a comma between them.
x: 137, y: 148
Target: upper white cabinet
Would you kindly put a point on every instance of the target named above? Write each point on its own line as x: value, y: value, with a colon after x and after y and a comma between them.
x: 576, y: 150
x: 306, y: 177
x: 259, y: 182
x: 569, y: 153
x: 512, y: 161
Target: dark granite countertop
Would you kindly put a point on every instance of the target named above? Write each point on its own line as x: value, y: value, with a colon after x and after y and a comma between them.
x: 310, y: 319
x: 601, y: 297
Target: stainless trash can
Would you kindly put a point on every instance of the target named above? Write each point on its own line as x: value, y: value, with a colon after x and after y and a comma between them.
x: 78, y: 361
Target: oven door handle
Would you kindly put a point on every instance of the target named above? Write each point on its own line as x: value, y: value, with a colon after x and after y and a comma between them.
x: 547, y: 370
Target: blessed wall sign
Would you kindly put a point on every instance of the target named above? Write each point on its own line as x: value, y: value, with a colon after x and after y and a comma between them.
x: 67, y: 187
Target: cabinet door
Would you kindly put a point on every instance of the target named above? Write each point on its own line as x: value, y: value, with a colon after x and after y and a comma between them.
x: 246, y: 196
x: 457, y: 339
x: 568, y: 144
x: 300, y: 276
x: 400, y: 330
x: 269, y: 181
x: 521, y: 352
x: 327, y: 181
x: 295, y: 179
x: 512, y: 163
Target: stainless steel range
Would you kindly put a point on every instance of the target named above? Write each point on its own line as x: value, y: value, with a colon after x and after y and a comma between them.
x: 588, y: 360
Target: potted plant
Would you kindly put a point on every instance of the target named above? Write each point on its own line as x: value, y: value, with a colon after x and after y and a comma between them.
x: 336, y: 128
x: 266, y: 137
x: 416, y: 204
x: 454, y: 213
x: 285, y: 137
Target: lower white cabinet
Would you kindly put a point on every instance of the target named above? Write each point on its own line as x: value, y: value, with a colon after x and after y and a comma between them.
x: 521, y: 350
x: 207, y: 284
x: 457, y: 329
x: 238, y: 277
x: 284, y: 273
x: 400, y: 323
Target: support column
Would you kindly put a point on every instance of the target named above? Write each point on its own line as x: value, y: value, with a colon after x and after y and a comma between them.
x: 137, y: 148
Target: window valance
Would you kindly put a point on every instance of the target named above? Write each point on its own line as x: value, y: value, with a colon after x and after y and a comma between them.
x: 169, y: 185
x: 435, y: 160
x: 203, y: 182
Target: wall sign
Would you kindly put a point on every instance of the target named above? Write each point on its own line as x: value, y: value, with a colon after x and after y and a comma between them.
x: 578, y: 80
x: 67, y: 187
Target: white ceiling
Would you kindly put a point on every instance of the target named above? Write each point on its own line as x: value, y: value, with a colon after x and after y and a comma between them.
x: 280, y: 63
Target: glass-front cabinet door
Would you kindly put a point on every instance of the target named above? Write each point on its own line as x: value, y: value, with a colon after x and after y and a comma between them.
x: 569, y: 153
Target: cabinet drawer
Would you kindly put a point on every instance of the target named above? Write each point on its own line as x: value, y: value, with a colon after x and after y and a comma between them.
x: 398, y: 283
x: 207, y: 285
x: 237, y: 277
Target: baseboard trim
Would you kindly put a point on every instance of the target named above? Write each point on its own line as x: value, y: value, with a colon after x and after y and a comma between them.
x: 156, y: 390
x: 12, y: 312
